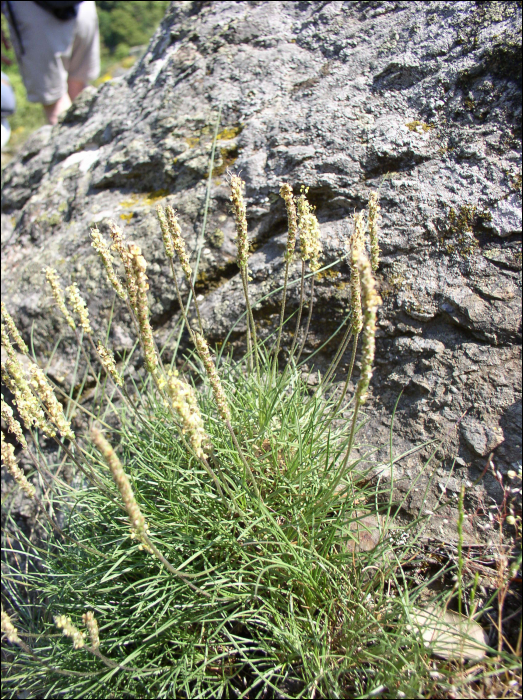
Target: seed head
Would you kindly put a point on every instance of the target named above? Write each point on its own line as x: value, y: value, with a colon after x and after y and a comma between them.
x: 137, y: 521
x: 9, y: 460
x: 13, y: 330
x: 177, y: 241
x: 139, y: 266
x: 9, y: 629
x: 240, y: 216
x: 65, y: 624
x: 45, y: 392
x: 183, y: 400
x: 79, y: 306
x: 56, y: 290
x: 356, y: 246
x: 309, y: 228
x: 371, y: 302
x: 26, y: 402
x: 374, y: 212
x: 290, y: 204
x: 120, y: 248
x: 12, y: 424
x: 109, y: 364
x: 216, y: 385
x: 166, y: 235
x: 90, y: 622
x: 101, y: 247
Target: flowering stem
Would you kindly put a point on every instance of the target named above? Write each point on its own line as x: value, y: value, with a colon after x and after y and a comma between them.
x: 349, y: 373
x: 341, y: 349
x: 171, y: 568
x: 250, y: 319
x: 300, y: 310
x: 196, y: 305
x: 180, y: 301
x: 282, y: 314
x: 311, y: 303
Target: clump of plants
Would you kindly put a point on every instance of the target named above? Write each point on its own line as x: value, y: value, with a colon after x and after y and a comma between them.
x: 215, y: 539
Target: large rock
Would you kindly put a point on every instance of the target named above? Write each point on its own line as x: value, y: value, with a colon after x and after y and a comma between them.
x: 333, y: 96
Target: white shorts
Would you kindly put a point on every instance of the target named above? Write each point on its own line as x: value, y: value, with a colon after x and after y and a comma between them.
x: 53, y: 50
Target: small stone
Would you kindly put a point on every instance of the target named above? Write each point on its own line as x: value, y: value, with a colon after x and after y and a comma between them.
x: 479, y: 437
x: 506, y: 218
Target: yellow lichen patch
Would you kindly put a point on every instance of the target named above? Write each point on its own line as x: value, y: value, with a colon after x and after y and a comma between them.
x: 143, y: 199
x: 230, y: 132
x: 152, y: 197
x: 419, y: 127
x: 192, y: 141
x: 127, y: 217
x: 131, y: 202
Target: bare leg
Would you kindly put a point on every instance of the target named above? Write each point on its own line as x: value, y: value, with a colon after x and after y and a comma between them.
x: 53, y: 111
x: 74, y: 87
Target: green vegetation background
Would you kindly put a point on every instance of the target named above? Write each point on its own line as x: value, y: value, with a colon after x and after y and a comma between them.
x: 123, y: 25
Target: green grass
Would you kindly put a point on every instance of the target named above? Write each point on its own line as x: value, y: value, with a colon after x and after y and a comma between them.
x: 252, y: 579
x: 286, y: 603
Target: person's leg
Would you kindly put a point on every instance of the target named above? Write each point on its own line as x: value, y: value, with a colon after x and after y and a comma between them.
x: 54, y: 110
x: 44, y: 41
x: 83, y: 62
x: 74, y: 87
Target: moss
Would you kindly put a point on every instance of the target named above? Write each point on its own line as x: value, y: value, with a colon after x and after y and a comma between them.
x: 228, y: 156
x: 53, y: 219
x: 216, y: 238
x: 329, y: 275
x: 396, y: 280
x: 457, y: 233
x: 416, y: 125
x: 483, y: 15
x: 514, y: 180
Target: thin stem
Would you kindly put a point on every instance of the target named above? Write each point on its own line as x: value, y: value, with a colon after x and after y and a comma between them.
x: 346, y: 385
x: 343, y: 466
x: 242, y: 457
x: 41, y: 505
x: 335, y: 362
x: 308, y: 321
x: 180, y: 301
x: 60, y: 671
x: 124, y: 398
x: 282, y: 314
x: 204, y: 463
x: 199, y: 245
x: 196, y: 305
x: 171, y: 568
x: 245, y: 282
x: 349, y: 373
x: 300, y: 310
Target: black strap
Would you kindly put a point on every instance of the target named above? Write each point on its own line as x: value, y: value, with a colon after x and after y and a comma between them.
x: 61, y: 9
